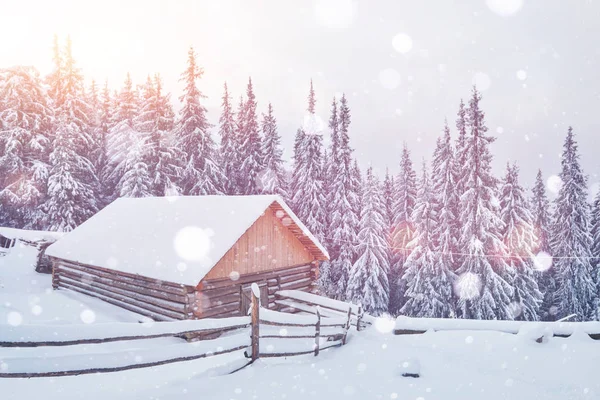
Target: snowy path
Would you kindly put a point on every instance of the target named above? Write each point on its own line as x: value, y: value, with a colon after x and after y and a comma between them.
x: 454, y: 365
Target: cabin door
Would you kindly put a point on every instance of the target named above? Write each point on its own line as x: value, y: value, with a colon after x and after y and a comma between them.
x: 246, y: 296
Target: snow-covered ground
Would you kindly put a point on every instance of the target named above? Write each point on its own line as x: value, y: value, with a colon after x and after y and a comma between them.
x: 26, y: 297
x: 453, y: 364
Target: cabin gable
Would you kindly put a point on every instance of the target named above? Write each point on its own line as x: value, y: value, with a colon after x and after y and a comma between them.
x: 266, y: 246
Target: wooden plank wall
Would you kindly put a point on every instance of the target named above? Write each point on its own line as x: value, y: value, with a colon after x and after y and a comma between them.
x: 266, y: 245
x: 161, y: 301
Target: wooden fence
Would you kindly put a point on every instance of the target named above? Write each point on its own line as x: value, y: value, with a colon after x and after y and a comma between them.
x: 264, y: 333
x: 323, y: 332
x: 307, y: 302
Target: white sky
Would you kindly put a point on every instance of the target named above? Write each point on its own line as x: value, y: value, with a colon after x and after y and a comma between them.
x: 540, y: 58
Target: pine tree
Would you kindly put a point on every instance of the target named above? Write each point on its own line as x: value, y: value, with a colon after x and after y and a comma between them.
x: 445, y: 202
x: 229, y: 148
x: 273, y: 180
x: 357, y: 185
x: 461, y: 150
x: 368, y: 281
x: 71, y: 198
x: 307, y: 196
x: 25, y: 123
x: 428, y: 281
x: 571, y: 239
x: 100, y: 154
x: 405, y: 193
x: 483, y: 291
x: 388, y: 200
x: 519, y: 237
x: 330, y: 159
x: 129, y: 174
x: 595, y: 232
x: 343, y: 205
x: 250, y: 140
x: 55, y: 78
x: 201, y: 173
x: 540, y: 207
x: 155, y: 122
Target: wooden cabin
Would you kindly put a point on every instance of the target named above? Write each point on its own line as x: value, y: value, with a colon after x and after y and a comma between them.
x: 188, y: 257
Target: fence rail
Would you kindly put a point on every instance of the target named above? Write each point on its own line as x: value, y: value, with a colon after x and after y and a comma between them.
x: 407, y: 325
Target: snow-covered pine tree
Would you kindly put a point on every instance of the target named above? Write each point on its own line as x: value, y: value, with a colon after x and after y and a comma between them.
x: 272, y: 179
x: 595, y: 232
x: 357, y: 185
x: 481, y: 286
x: 368, y: 281
x: 71, y: 199
x: 520, y: 240
x: 229, y: 147
x: 155, y: 122
x: 540, y: 208
x: 388, y: 199
x: 250, y: 146
x: 571, y: 240
x: 445, y: 202
x: 201, y: 174
x: 427, y: 280
x: 26, y: 119
x: 330, y: 159
x: 405, y: 196
x: 307, y: 196
x: 100, y: 153
x: 461, y: 149
x: 54, y: 79
x: 129, y: 175
x: 343, y: 200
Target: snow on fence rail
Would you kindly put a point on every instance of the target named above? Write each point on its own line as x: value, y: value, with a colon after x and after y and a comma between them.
x: 408, y: 325
x: 40, y: 366
x: 306, y: 302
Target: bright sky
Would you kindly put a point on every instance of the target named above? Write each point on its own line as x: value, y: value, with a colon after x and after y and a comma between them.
x: 403, y: 64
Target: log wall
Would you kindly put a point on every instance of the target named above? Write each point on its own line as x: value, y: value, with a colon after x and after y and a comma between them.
x: 165, y: 301
x: 159, y: 300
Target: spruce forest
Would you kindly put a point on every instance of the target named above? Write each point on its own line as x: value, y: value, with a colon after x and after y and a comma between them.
x: 445, y: 237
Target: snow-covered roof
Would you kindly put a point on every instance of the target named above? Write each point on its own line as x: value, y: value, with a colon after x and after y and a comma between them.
x: 31, y: 236
x: 176, y: 239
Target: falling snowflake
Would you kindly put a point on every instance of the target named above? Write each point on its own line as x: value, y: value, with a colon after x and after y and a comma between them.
x: 504, y: 8
x: 468, y: 286
x: 193, y: 243
x: 402, y: 43
x: 88, y: 316
x: 14, y: 318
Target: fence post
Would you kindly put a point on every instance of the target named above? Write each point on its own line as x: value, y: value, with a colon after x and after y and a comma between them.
x: 318, y: 331
x: 347, y: 327
x: 255, y: 321
x: 359, y: 317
